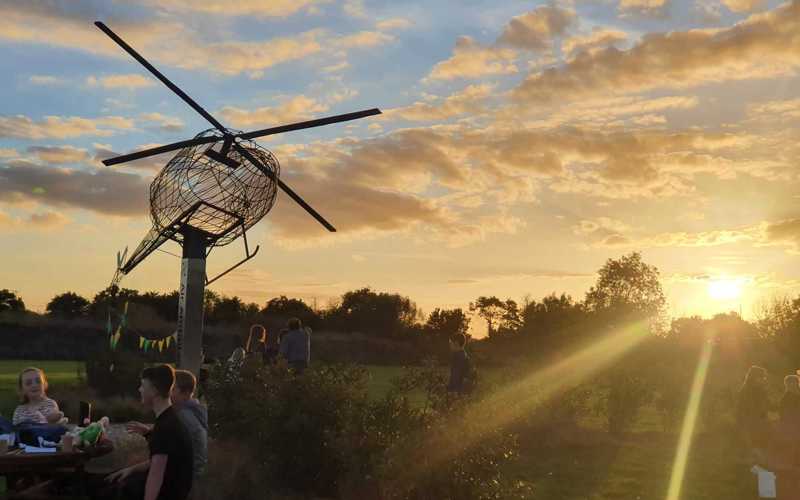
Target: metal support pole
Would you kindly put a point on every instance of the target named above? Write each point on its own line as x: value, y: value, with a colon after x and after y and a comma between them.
x: 190, y: 304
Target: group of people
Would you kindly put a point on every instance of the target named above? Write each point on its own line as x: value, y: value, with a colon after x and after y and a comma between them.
x: 177, y: 441
x: 772, y: 446
x: 292, y: 344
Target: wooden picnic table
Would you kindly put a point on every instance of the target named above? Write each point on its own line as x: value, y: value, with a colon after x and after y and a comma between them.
x: 43, y: 466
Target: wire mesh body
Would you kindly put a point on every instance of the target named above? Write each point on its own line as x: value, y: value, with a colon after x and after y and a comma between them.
x: 228, y: 201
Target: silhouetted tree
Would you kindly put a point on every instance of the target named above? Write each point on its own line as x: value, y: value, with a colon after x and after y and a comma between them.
x: 627, y: 289
x: 553, y: 315
x: 278, y: 310
x: 10, y: 301
x: 500, y: 316
x: 112, y: 297
x: 446, y: 322
x: 67, y: 305
x: 385, y: 314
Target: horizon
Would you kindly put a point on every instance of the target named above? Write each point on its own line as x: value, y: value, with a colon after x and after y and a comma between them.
x: 521, y: 146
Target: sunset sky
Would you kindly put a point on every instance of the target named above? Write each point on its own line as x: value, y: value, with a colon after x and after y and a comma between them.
x: 522, y: 143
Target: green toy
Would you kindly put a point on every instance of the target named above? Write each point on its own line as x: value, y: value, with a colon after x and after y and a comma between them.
x: 91, y: 434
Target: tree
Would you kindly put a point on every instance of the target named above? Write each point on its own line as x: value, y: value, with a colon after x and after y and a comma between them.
x: 10, y: 301
x: 111, y: 297
x: 627, y: 289
x: 447, y: 322
x: 553, y: 315
x: 385, y: 314
x: 501, y: 317
x: 227, y: 310
x: 68, y: 305
x: 278, y: 310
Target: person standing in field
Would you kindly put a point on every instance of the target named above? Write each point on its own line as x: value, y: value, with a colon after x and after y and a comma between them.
x: 459, y: 364
x: 296, y: 346
x: 752, y: 413
x: 785, y: 449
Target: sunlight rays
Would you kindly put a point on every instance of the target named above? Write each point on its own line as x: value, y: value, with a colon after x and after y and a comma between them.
x: 689, y: 421
x: 518, y: 399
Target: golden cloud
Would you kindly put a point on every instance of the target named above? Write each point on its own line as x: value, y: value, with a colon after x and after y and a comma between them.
x: 536, y: 29
x: 469, y: 100
x: 45, y: 80
x: 646, y: 7
x: 765, y: 45
x: 56, y: 127
x: 395, y: 23
x: 744, y: 5
x: 271, y: 8
x: 293, y: 109
x: 40, y: 221
x: 599, y: 38
x: 59, y: 154
x: 129, y: 81
x: 472, y: 60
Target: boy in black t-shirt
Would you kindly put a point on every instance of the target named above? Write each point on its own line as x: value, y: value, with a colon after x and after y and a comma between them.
x: 168, y: 473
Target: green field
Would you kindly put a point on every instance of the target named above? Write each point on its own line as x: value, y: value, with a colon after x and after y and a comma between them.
x: 588, y: 465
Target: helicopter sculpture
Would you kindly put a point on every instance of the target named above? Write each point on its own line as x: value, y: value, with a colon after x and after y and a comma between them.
x: 218, y: 185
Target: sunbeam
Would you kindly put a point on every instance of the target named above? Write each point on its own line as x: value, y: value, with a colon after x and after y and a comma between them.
x: 689, y: 421
x: 509, y: 404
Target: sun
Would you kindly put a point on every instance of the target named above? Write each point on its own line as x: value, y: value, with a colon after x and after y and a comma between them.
x: 725, y: 289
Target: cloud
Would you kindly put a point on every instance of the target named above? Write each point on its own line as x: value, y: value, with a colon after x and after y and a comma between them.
x: 598, y: 39
x: 46, y: 80
x: 104, y: 190
x: 395, y: 23
x: 472, y: 60
x: 763, y: 46
x: 57, y: 127
x: 167, y: 40
x: 8, y: 153
x: 354, y: 8
x: 643, y: 7
x: 469, y: 100
x: 296, y: 108
x: 163, y: 122
x: 536, y: 29
x: 363, y: 39
x: 59, y: 154
x: 744, y: 5
x: 601, y: 226
x: 258, y: 8
x: 130, y: 81
x: 40, y: 221
x: 785, y: 232
x: 772, y: 111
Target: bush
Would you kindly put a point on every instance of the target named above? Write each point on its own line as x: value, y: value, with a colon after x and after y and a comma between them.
x: 320, y: 434
x: 114, y: 373
x: 627, y: 393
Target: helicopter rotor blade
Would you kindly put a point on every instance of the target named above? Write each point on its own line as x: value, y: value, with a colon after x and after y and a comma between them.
x: 310, y: 123
x: 145, y: 153
x: 188, y: 100
x: 286, y: 189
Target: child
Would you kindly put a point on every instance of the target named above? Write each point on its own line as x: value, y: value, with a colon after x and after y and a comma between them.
x: 193, y: 415
x: 168, y: 473
x: 36, y: 407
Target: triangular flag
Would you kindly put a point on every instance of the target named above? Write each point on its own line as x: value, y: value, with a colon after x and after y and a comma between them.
x: 169, y: 341
x: 160, y: 345
x: 108, y: 324
x: 141, y: 342
x: 146, y: 345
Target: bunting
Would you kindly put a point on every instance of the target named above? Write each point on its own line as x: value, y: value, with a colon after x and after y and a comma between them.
x: 114, y: 335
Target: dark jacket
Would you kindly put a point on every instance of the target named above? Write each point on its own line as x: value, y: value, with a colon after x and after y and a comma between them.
x: 296, y: 347
x: 459, y: 370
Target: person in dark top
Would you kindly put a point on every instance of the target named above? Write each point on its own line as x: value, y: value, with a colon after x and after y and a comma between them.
x: 167, y: 475
x: 459, y: 363
x: 272, y: 347
x: 785, y: 448
x: 296, y: 345
x: 752, y: 412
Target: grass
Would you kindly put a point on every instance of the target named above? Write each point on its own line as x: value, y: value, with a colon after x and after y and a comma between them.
x: 589, y: 465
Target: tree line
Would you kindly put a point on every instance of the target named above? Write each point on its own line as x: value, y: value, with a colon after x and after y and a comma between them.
x: 626, y: 290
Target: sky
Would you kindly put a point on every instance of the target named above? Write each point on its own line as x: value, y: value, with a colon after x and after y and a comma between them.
x: 521, y: 145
